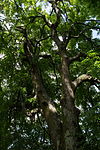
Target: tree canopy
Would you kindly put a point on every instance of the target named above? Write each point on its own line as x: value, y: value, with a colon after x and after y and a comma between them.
x: 49, y: 69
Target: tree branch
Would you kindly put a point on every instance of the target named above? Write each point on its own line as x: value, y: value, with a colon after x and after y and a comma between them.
x: 77, y: 57
x: 32, y: 19
x: 46, y: 21
x: 84, y: 78
x: 48, y: 108
x: 58, y: 15
x: 87, y: 25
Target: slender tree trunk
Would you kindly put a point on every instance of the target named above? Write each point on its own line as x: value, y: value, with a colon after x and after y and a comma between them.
x: 72, y: 134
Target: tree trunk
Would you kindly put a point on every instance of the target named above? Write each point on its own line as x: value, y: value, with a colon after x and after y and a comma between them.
x: 65, y: 132
x: 72, y: 135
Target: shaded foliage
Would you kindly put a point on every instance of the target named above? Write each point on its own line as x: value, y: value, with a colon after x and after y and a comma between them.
x: 22, y: 126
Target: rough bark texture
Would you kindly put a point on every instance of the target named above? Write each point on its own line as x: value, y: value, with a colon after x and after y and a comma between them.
x: 65, y: 132
x: 48, y: 109
x: 72, y: 132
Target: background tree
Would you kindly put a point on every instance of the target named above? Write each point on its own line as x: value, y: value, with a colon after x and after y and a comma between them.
x: 49, y: 76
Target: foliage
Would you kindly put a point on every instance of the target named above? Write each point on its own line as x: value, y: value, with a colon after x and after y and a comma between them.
x: 21, y: 124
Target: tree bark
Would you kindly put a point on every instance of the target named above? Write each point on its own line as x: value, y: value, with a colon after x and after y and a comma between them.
x: 65, y: 132
x: 48, y: 109
x: 72, y: 134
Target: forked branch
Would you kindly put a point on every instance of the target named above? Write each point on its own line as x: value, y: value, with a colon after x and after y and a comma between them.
x: 84, y: 78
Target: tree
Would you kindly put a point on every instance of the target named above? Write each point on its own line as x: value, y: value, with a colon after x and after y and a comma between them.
x: 93, y: 6
x: 50, y: 58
